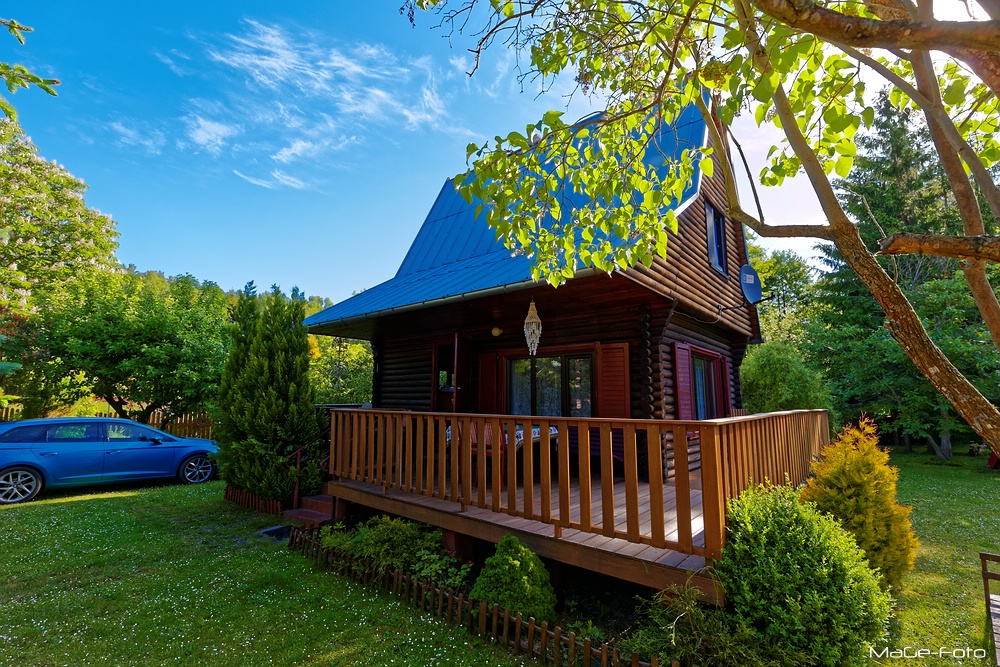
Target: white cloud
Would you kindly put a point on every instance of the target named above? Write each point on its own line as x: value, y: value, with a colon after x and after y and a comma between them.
x: 171, y: 61
x: 150, y: 140
x: 209, y: 134
x: 284, y: 179
x: 255, y: 181
x: 277, y: 178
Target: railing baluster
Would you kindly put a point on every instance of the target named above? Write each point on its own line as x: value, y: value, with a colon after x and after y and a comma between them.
x: 586, y: 483
x: 562, y: 464
x: 682, y: 486
x: 528, y: 457
x: 631, y: 483
x: 545, y: 470
x: 607, y: 483
x: 654, y: 446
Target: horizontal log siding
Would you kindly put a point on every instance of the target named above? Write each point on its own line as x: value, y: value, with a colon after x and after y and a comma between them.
x: 686, y: 273
x: 403, y: 374
x: 432, y: 454
x: 583, y: 312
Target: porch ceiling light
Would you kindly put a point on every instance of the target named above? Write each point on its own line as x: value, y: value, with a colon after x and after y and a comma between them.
x: 532, y: 328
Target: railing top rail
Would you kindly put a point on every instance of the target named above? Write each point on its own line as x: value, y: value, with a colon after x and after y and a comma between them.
x: 596, y: 421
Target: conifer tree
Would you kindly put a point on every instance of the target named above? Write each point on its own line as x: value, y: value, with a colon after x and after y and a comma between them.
x: 267, y: 400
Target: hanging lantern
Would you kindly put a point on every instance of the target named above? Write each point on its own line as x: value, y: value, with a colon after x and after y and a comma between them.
x: 532, y: 328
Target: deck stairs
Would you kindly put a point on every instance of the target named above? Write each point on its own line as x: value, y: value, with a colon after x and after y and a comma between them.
x: 314, y: 511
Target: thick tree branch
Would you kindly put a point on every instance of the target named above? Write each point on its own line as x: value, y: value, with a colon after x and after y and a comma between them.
x: 808, y: 16
x: 979, y: 248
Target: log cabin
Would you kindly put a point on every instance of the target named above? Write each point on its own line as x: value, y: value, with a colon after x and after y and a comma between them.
x: 612, y: 446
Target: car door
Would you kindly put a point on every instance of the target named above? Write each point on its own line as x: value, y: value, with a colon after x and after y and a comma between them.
x: 137, y: 452
x: 71, y: 453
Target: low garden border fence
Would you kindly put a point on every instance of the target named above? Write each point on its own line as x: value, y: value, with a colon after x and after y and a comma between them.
x: 550, y: 645
x: 252, y: 501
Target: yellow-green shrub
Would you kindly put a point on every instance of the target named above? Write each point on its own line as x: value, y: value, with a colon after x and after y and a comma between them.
x: 855, y: 483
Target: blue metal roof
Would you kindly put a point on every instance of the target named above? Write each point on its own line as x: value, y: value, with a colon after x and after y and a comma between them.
x: 456, y: 255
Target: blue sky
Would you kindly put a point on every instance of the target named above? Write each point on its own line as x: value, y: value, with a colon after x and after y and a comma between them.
x: 298, y: 143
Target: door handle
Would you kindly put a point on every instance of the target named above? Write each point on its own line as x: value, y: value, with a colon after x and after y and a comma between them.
x: 117, y: 451
x: 47, y: 453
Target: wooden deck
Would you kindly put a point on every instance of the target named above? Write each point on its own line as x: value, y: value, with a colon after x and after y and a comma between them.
x: 615, y: 556
x: 613, y: 496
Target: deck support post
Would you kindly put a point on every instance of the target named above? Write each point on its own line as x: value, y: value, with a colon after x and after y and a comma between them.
x: 341, y: 509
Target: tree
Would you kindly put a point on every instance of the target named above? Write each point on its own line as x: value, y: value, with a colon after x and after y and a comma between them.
x: 18, y: 76
x: 266, y: 401
x: 138, y: 341
x: 47, y: 232
x: 896, y: 184
x: 340, y: 369
x: 794, y: 64
x: 788, y: 282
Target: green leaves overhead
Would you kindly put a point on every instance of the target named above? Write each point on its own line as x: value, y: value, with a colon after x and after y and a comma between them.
x: 18, y: 76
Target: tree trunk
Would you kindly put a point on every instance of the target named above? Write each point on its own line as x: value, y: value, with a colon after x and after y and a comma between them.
x: 907, y: 443
x: 933, y: 446
x: 945, y: 451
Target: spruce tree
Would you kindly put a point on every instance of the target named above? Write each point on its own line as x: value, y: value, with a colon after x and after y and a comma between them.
x: 267, y: 401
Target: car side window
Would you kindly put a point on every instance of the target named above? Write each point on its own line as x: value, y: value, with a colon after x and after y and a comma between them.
x: 73, y: 433
x: 23, y: 434
x: 126, y: 432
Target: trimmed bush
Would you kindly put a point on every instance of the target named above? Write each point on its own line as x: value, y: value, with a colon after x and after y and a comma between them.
x: 799, y: 580
x: 515, y: 578
x: 775, y: 377
x: 855, y: 483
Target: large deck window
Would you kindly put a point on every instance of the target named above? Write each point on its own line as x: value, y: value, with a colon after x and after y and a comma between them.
x: 555, y: 386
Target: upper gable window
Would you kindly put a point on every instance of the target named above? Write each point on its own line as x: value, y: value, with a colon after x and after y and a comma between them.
x: 716, y: 228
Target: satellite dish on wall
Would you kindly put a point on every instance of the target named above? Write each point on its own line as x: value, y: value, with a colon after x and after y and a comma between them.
x: 750, y: 284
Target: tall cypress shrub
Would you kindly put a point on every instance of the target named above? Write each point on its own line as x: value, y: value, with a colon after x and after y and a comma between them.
x: 267, y: 401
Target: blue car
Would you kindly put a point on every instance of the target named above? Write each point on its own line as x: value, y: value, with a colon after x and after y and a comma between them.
x: 70, y: 451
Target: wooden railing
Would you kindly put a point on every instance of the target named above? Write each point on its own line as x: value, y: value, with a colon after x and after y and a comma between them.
x: 483, y: 461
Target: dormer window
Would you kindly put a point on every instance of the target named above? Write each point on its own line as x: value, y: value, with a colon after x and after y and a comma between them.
x: 716, y: 228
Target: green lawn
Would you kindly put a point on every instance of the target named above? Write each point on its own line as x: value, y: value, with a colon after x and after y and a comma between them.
x: 175, y: 575
x: 956, y: 514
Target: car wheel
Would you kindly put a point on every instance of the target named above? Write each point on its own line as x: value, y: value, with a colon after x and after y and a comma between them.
x: 18, y: 485
x: 196, y: 469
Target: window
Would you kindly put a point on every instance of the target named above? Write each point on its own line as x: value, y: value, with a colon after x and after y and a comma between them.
x: 551, y: 386
x: 701, y: 383
x: 703, y: 373
x: 22, y: 434
x: 127, y: 432
x: 74, y: 433
x: 716, y: 228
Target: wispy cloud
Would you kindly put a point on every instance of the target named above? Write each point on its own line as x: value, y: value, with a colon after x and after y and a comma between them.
x: 171, y: 61
x: 255, y: 181
x: 284, y: 179
x: 364, y: 82
x: 210, y: 135
x: 277, y: 178
x: 150, y: 140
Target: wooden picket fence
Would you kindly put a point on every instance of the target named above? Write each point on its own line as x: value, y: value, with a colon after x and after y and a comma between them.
x: 551, y: 645
x: 252, y: 501
x: 198, y: 425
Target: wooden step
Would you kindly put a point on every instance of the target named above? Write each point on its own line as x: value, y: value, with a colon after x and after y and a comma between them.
x: 307, y: 518
x: 323, y: 503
